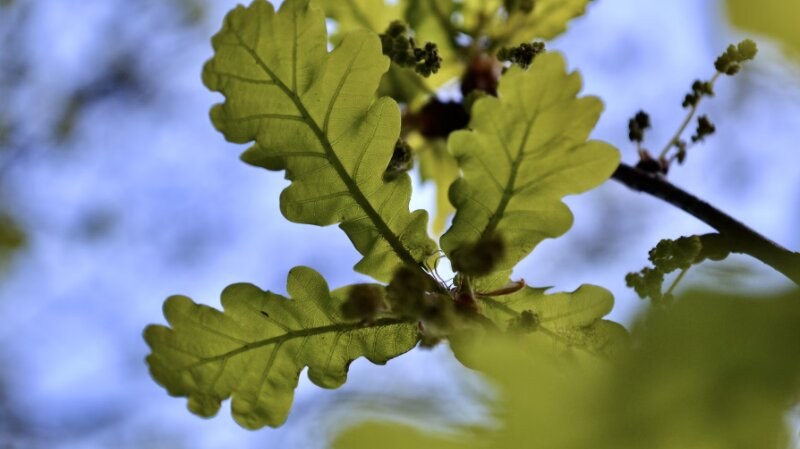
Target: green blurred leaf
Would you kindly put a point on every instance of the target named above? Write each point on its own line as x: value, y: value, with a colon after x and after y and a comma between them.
x: 314, y: 114
x: 431, y: 21
x: 710, y: 372
x: 548, y: 19
x: 12, y: 238
x: 525, y: 151
x: 437, y: 165
x: 777, y: 19
x: 352, y: 15
x: 255, y: 350
x: 12, y: 235
x: 383, y: 435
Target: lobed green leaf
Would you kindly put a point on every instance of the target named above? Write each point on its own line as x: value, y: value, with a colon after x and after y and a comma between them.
x: 525, y: 151
x: 255, y: 349
x: 314, y: 115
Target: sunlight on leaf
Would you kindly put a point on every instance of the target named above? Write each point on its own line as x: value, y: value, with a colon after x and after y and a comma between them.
x: 548, y: 19
x: 255, y: 350
x: 437, y: 165
x: 525, y: 151
x: 564, y: 322
x: 352, y: 15
x: 314, y: 114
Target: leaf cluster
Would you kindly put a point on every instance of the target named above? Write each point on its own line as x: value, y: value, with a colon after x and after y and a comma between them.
x: 319, y: 117
x: 730, y: 62
x: 344, y: 119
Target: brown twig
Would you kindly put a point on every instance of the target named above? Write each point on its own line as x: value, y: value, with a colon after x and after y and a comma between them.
x: 741, y: 239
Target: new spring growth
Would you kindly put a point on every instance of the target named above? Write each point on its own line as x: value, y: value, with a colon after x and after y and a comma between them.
x: 402, y: 161
x: 731, y: 61
x: 673, y: 255
x: 704, y: 128
x: 523, y: 55
x: 407, y: 292
x: 403, y: 51
x: 637, y: 125
x: 364, y: 302
x: 646, y: 283
x: 699, y: 90
x: 481, y: 257
x: 528, y: 321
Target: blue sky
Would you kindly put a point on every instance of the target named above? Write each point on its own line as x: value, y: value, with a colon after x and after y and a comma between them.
x: 142, y: 199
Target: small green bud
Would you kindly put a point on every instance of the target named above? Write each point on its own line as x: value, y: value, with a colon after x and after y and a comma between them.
x: 528, y: 321
x: 402, y: 161
x: 704, y: 128
x: 403, y: 51
x: 747, y: 50
x: 637, y: 125
x: 523, y: 55
x: 427, y: 59
x: 699, y: 90
x: 364, y: 302
x: 646, y: 283
x: 407, y: 291
x: 730, y: 62
x: 671, y: 255
x: 481, y: 257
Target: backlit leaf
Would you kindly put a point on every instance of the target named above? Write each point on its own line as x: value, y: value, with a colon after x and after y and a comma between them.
x: 548, y: 19
x: 436, y: 164
x: 352, y: 15
x: 255, y: 349
x: 567, y: 321
x: 525, y: 151
x: 314, y: 114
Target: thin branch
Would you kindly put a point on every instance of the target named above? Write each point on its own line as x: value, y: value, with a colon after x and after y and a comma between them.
x: 675, y: 283
x: 689, y: 115
x: 741, y: 239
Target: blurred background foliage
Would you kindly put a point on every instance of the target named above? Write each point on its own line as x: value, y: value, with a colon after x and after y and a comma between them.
x: 116, y: 192
x: 711, y: 372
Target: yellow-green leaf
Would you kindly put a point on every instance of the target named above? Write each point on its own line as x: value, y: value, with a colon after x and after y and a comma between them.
x: 569, y: 321
x: 548, y: 19
x: 777, y: 19
x: 255, y: 349
x: 437, y: 165
x: 525, y: 151
x: 352, y: 15
x: 314, y: 114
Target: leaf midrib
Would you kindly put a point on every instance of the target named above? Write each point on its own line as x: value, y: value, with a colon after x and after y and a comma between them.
x: 544, y: 329
x: 352, y: 187
x: 300, y: 333
x: 508, y: 192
